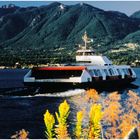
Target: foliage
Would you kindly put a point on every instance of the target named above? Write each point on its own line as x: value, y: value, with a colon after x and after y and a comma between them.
x: 93, y: 95
x: 49, y: 123
x: 130, y: 116
x: 126, y: 124
x: 112, y: 112
x: 117, y: 118
x: 120, y: 119
x: 78, y: 130
x: 61, y: 130
x: 136, y: 15
x: 95, y: 116
x: 22, y: 134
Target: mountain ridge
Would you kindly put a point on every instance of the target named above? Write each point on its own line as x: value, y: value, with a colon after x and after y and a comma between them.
x: 60, y: 26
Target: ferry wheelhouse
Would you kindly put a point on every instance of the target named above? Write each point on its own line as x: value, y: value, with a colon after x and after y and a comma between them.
x: 90, y: 70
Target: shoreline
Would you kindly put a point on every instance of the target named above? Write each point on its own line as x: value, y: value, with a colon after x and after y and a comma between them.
x: 26, y: 68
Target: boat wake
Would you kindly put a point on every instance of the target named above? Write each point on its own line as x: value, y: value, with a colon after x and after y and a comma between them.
x: 68, y: 93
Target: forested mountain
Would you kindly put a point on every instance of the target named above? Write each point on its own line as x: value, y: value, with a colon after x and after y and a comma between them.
x: 49, y: 33
x: 136, y: 15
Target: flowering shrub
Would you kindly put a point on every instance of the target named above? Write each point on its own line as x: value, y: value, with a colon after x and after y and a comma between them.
x: 117, y: 118
x: 61, y: 131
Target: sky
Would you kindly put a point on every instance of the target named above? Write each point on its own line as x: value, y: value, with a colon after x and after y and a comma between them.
x: 127, y: 7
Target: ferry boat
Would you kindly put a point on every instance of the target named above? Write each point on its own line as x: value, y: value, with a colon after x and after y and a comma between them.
x: 90, y: 70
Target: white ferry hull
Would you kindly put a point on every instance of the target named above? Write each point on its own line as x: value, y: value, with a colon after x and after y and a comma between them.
x: 100, y: 86
x: 94, y: 84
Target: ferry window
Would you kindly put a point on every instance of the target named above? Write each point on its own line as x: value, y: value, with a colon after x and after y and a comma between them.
x: 130, y: 71
x: 89, y: 53
x: 91, y: 72
x: 95, y: 72
x: 79, y: 53
x: 111, y: 72
x: 99, y: 73
x: 106, y: 72
x: 125, y: 71
x: 119, y: 71
x: 86, y: 53
x: 56, y: 74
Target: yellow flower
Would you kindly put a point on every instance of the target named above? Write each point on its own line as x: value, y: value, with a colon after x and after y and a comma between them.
x: 95, y: 116
x: 49, y: 123
x: 79, y: 116
x: 64, y: 109
x: 78, y: 130
x: 62, y: 116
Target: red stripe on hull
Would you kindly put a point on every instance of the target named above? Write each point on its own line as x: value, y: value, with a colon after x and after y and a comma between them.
x: 61, y: 68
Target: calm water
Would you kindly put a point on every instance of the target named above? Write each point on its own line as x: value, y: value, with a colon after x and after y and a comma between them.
x: 27, y: 112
